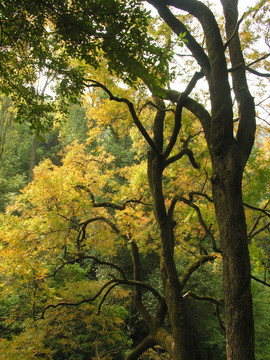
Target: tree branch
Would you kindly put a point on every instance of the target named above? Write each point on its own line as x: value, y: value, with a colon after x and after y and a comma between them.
x: 178, y: 114
x: 137, y: 277
x: 264, y: 211
x: 247, y: 125
x: 258, y: 60
x: 99, y: 218
x: 233, y: 33
x: 200, y: 218
x: 259, y: 230
x: 218, y: 303
x: 258, y: 73
x: 260, y: 281
x: 193, y: 267
x: 144, y: 345
x: 178, y: 27
x: 110, y: 204
x: 112, y: 284
x: 64, y: 303
x: 192, y: 193
x: 178, y: 156
x: 202, y: 298
x: 249, y: 69
x: 132, y: 111
x: 194, y: 107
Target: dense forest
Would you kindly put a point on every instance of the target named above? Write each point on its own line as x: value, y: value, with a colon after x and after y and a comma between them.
x: 134, y: 180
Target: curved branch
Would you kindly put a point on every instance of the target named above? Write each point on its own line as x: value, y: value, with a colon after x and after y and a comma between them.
x: 247, y: 125
x: 132, y: 111
x: 233, y: 33
x: 99, y: 218
x: 258, y: 73
x: 192, y: 193
x: 178, y: 114
x: 218, y: 303
x: 106, y: 263
x: 193, y: 267
x: 90, y: 257
x: 211, y: 30
x: 111, y: 283
x: 108, y: 203
x: 64, y: 303
x: 200, y: 218
x: 183, y: 152
x: 105, y: 296
x: 119, y: 206
x: 194, y: 107
x: 203, y: 298
x: 249, y: 69
x: 178, y: 27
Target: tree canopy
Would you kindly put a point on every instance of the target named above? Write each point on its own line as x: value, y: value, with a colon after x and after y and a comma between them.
x: 163, y: 175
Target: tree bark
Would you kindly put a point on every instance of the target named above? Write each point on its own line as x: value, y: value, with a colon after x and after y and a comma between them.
x: 227, y: 196
x: 229, y: 155
x: 183, y: 345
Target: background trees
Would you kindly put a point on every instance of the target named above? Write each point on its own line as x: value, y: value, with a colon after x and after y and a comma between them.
x: 93, y: 199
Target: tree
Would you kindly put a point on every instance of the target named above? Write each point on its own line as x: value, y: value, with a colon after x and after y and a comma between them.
x: 229, y: 147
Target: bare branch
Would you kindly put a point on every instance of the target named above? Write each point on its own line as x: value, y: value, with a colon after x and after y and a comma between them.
x: 194, y: 107
x: 178, y: 114
x: 93, y: 83
x: 112, y: 284
x: 264, y: 211
x: 108, y: 203
x: 218, y: 303
x: 234, y: 32
x: 260, y: 281
x: 183, y: 152
x: 200, y: 218
x: 100, y: 218
x: 105, y: 296
x: 65, y: 303
x: 106, y: 263
x: 193, y: 267
x: 260, y: 59
x: 203, y: 298
x: 248, y: 68
x: 258, y: 73
x: 192, y: 193
x: 259, y: 230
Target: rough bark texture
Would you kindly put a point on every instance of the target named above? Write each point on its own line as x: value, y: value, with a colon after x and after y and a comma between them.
x: 229, y: 155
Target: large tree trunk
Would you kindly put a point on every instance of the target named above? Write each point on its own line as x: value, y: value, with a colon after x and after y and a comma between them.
x: 228, y: 154
x: 227, y: 195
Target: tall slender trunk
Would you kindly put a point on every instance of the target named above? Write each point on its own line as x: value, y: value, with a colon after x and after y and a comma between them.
x: 184, y: 347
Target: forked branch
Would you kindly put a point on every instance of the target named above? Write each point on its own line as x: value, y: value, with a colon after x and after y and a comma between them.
x: 218, y: 303
x: 110, y: 284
